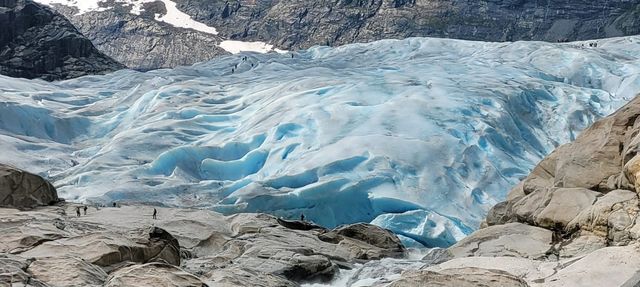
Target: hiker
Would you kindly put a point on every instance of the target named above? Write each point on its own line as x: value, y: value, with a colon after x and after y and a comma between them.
x: 114, y: 204
x: 291, y: 55
x: 155, y: 212
x: 78, y: 211
x: 85, y: 210
x: 301, y: 216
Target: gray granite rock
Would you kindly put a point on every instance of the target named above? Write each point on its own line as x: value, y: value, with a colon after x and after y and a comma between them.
x: 512, y: 239
x: 459, y: 277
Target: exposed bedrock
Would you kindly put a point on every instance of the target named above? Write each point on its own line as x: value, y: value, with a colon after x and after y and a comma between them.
x: 125, y: 246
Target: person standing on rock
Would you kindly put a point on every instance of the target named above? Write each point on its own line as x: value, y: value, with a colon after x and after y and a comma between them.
x: 301, y: 216
x: 78, y: 211
x: 155, y: 212
x: 85, y: 210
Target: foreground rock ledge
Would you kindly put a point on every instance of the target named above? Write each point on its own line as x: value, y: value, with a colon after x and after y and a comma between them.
x: 124, y: 246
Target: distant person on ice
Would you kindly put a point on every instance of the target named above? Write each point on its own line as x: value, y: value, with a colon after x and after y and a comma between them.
x: 85, y: 210
x: 301, y: 216
x: 78, y: 211
x: 155, y: 212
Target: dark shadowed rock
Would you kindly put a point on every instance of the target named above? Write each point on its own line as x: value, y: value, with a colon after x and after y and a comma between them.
x: 367, y: 233
x: 37, y: 42
x: 299, y: 225
x: 20, y: 189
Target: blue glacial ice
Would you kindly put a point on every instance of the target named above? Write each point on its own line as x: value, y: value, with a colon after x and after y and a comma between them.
x: 421, y: 136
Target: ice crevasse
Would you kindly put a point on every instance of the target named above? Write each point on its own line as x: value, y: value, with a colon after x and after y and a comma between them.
x: 421, y: 136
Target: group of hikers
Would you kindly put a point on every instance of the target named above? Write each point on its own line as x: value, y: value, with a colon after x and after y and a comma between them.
x: 154, y: 215
x: 78, y: 213
x: 244, y: 59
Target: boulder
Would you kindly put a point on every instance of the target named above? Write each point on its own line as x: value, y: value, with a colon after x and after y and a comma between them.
x: 365, y: 241
x: 23, y: 230
x: 512, y: 239
x: 564, y: 206
x: 152, y: 275
x: 67, y: 271
x: 610, y: 217
x: 238, y: 277
x: 459, y: 277
x: 527, y: 269
x: 109, y: 248
x: 295, y: 264
x: 583, y: 244
x: 13, y: 272
x: 610, y: 266
x: 20, y: 189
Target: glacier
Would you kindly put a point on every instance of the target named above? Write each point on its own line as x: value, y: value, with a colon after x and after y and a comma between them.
x: 421, y: 136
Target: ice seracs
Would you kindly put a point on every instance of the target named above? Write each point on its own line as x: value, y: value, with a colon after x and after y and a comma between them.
x: 421, y: 136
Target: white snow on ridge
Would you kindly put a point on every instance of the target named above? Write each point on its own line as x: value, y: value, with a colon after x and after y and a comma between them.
x: 180, y: 19
x: 83, y: 6
x: 235, y: 47
x: 174, y: 17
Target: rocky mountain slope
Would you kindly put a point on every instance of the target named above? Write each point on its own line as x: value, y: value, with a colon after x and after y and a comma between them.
x: 141, y: 42
x: 301, y: 24
x: 37, y: 42
x: 132, y: 31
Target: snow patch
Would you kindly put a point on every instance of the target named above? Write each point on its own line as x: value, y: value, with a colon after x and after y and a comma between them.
x: 174, y: 16
x: 180, y: 19
x: 235, y: 47
x: 83, y: 6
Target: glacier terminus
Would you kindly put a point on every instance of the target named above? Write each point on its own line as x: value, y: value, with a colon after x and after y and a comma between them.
x: 421, y: 136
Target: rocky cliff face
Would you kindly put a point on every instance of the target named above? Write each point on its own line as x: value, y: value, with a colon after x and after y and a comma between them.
x: 300, y: 24
x: 143, y: 42
x: 37, y: 42
x: 139, y: 41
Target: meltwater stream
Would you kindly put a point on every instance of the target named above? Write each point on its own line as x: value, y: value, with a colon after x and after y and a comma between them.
x: 421, y: 136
